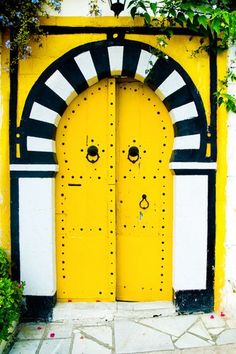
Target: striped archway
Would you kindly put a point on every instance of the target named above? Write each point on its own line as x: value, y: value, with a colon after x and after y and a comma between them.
x: 83, y: 66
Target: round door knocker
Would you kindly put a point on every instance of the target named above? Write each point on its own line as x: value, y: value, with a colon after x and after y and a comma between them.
x: 144, y: 203
x: 133, y: 154
x: 92, y: 154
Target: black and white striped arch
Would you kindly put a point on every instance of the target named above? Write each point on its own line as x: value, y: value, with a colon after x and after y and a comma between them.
x: 82, y: 67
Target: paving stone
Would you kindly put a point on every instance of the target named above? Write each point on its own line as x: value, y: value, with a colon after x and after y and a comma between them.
x: 59, y: 330
x: 131, y: 337
x: 31, y: 331
x: 231, y: 323
x: 25, y: 347
x: 190, y: 341
x: 226, y: 337
x: 214, y: 322
x: 55, y: 346
x: 174, y: 326
x: 215, y: 331
x: 82, y: 345
x: 200, y: 330
x: 101, y: 333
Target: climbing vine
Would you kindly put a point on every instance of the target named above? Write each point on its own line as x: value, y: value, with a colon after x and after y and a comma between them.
x: 21, y: 17
x: 213, y: 20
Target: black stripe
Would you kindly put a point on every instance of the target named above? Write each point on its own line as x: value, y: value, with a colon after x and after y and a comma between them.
x: 33, y: 174
x: 187, y: 127
x: 74, y: 76
x: 130, y: 60
x: 50, y: 99
x: 159, y: 73
x: 186, y: 155
x: 178, y: 98
x: 15, y: 247
x: 38, y: 157
x: 40, y: 129
x: 101, y: 62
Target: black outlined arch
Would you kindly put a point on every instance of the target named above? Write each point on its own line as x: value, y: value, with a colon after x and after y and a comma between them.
x: 85, y: 65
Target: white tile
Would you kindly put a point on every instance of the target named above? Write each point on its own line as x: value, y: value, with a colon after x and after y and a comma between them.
x: 190, y: 341
x: 187, y: 111
x: 59, y: 330
x: 171, y: 84
x: 83, y: 345
x: 131, y: 337
x: 186, y: 142
x: 226, y: 337
x: 101, y: 333
x: 231, y: 323
x: 40, y: 144
x: 55, y: 346
x: 145, y: 64
x: 86, y: 66
x: 174, y: 326
x: 200, y: 330
x: 58, y: 84
x: 44, y: 114
x: 212, y: 320
x: 31, y: 331
x: 115, y: 55
x: 25, y: 347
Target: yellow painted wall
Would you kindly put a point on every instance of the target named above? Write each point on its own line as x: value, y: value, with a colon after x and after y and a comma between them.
x: 4, y: 151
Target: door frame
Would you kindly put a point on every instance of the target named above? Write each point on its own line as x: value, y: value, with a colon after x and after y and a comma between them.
x: 33, y: 174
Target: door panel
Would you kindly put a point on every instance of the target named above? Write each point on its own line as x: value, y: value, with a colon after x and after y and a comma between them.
x: 121, y: 194
x: 85, y: 254
x: 144, y: 225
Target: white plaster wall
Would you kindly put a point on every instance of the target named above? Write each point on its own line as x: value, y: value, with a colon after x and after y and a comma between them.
x: 229, y: 292
x: 190, y: 232
x: 81, y: 8
x: 37, y: 235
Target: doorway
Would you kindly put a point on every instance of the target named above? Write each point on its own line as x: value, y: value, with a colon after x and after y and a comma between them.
x: 114, y: 195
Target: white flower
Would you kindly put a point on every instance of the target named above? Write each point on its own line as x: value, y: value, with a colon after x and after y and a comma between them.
x: 166, y: 57
x: 8, y: 44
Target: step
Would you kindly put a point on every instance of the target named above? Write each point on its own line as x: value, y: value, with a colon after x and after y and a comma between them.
x: 107, y: 311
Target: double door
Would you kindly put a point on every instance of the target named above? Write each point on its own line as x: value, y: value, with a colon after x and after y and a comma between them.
x: 114, y: 196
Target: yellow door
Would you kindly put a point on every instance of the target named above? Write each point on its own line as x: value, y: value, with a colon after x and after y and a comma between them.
x: 114, y: 196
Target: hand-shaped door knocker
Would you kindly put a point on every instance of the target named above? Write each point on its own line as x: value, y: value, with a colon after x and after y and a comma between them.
x: 92, y: 154
x: 133, y: 154
x: 144, y: 203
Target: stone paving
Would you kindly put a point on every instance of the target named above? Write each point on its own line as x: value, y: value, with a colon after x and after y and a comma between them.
x: 125, y: 328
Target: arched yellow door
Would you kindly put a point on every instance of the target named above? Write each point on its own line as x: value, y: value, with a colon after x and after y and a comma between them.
x: 114, y: 196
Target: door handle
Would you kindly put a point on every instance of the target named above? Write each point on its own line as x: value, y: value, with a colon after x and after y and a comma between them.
x: 133, y: 154
x: 92, y: 154
x: 144, y: 203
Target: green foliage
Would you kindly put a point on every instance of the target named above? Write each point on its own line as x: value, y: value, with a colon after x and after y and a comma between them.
x: 211, y: 19
x: 207, y: 17
x: 10, y: 298
x: 4, y: 264
x: 94, y: 8
x: 22, y: 18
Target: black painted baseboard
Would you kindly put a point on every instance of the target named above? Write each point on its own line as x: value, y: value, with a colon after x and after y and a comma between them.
x: 191, y: 301
x: 38, y: 308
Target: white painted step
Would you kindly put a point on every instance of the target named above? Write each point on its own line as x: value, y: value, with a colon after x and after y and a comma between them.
x: 107, y: 311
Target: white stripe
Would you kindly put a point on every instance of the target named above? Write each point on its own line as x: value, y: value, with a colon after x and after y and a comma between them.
x: 171, y: 84
x: 116, y: 58
x: 37, y: 235
x: 40, y: 144
x: 29, y: 167
x: 187, y: 111
x: 145, y: 64
x: 86, y: 66
x: 44, y: 114
x: 187, y: 142
x: 193, y: 165
x: 190, y: 232
x: 58, y: 83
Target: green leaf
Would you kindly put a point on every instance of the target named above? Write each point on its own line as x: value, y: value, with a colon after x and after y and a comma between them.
x: 147, y: 18
x: 203, y: 20
x: 190, y: 15
x: 133, y: 11
x: 216, y: 25
x: 153, y: 6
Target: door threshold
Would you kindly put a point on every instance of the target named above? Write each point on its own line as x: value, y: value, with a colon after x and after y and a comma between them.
x: 85, y: 312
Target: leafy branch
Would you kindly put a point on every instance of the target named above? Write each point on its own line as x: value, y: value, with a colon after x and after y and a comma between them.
x: 21, y: 17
